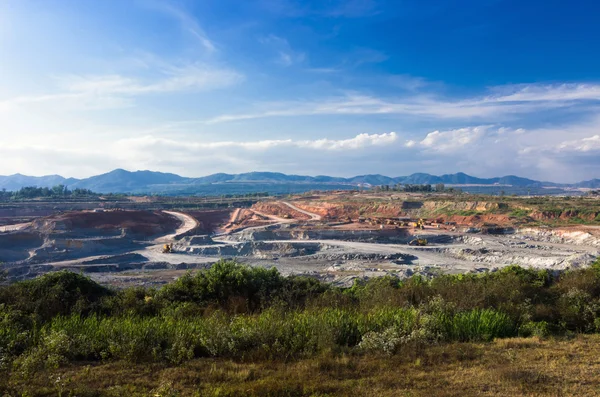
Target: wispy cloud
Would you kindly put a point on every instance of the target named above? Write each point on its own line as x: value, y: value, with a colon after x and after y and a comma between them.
x: 362, y: 56
x: 410, y: 83
x: 286, y: 55
x: 501, y: 102
x: 114, y: 90
x: 544, y: 92
x: 187, y: 21
x: 190, y: 77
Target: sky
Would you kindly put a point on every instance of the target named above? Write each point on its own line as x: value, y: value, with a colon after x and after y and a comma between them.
x: 313, y: 87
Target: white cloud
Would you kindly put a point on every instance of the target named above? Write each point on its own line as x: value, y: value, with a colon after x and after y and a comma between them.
x: 189, y: 77
x: 505, y: 101
x: 444, y: 141
x: 360, y: 141
x: 486, y: 150
x: 588, y: 144
x: 115, y: 91
x: 545, y: 92
x: 188, y: 23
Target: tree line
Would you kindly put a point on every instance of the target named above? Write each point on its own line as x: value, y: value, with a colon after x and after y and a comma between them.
x: 412, y: 188
x: 32, y: 192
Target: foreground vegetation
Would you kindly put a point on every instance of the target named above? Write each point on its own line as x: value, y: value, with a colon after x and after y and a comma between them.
x: 250, y: 324
x: 505, y: 367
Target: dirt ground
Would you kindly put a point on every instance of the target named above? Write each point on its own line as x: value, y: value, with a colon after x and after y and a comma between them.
x: 336, y: 237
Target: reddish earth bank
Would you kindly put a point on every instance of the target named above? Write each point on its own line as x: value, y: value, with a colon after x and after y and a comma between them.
x: 142, y: 223
x: 279, y: 209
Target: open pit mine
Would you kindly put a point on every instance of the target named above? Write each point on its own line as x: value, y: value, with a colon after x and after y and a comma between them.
x: 336, y: 237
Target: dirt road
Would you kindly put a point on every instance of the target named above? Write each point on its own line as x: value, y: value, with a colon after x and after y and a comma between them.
x: 187, y: 224
x: 314, y: 217
x: 12, y: 228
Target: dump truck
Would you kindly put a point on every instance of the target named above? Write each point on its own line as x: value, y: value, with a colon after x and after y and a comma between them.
x: 167, y: 248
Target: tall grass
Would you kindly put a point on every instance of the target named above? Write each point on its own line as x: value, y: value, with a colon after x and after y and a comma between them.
x: 480, y: 325
x: 269, y: 334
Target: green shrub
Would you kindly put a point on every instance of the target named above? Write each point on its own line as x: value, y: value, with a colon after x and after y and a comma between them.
x: 58, y: 293
x: 578, y: 310
x: 15, y: 335
x: 225, y: 283
x: 534, y: 328
x: 519, y: 213
x: 480, y: 325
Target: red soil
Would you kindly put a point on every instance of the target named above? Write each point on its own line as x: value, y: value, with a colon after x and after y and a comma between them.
x: 340, y: 211
x: 146, y: 223
x: 281, y: 210
x: 564, y: 215
x: 479, y: 220
x: 211, y: 221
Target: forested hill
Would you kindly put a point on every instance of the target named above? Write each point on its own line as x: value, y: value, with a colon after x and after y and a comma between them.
x: 122, y: 181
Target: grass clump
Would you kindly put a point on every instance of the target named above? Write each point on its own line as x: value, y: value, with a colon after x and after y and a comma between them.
x: 519, y: 213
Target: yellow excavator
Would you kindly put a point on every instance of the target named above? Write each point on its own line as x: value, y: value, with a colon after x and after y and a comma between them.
x: 419, y: 242
x: 420, y: 224
x: 167, y: 248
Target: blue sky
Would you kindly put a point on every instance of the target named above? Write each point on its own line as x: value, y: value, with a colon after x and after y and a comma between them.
x: 487, y: 87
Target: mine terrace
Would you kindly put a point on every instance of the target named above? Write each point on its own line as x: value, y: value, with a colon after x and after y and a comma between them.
x: 334, y: 236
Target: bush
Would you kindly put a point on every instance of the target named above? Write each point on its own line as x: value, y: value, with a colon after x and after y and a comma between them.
x: 15, y: 335
x: 539, y: 329
x: 480, y: 325
x: 226, y: 283
x: 53, y: 294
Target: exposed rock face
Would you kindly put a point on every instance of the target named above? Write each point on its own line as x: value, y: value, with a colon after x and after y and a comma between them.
x: 564, y: 236
x: 563, y: 215
x: 200, y: 240
x: 16, y: 246
x: 323, y: 234
x: 108, y: 223
x: 393, y: 208
x: 479, y: 206
x: 258, y: 249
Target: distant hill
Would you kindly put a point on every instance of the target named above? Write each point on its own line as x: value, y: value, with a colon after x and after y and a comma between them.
x: 517, y: 181
x: 592, y: 184
x: 372, y: 180
x: 461, y: 178
x: 122, y: 181
x: 17, y: 181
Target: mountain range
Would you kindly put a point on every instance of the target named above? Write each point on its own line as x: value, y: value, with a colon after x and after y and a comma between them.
x: 122, y: 181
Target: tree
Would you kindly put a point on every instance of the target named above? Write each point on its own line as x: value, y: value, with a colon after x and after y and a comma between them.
x: 59, y: 190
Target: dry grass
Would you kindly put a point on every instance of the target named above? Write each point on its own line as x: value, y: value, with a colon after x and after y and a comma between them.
x: 508, y: 367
